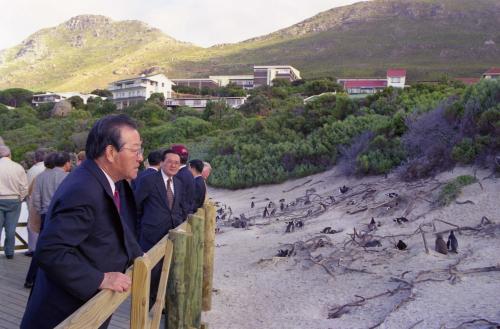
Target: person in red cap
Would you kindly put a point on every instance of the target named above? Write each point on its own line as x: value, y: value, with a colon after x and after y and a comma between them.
x: 185, y: 176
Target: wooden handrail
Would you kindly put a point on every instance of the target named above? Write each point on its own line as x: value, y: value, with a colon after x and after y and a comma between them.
x: 182, y: 278
x: 97, y: 310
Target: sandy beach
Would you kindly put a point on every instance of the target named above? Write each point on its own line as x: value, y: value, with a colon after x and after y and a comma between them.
x: 335, y: 280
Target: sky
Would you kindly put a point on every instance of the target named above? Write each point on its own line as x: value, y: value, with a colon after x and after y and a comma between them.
x: 203, y: 23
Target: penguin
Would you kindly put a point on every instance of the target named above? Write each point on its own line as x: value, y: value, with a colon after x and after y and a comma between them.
x: 441, y: 245
x: 401, y: 245
x: 290, y: 227
x: 343, y: 189
x: 282, y: 253
x: 393, y: 195
x: 265, y: 213
x: 401, y: 220
x: 372, y: 243
x: 373, y: 225
x: 326, y: 230
x: 299, y: 223
x: 282, y: 206
x: 273, y: 211
x: 452, y: 244
x: 252, y: 205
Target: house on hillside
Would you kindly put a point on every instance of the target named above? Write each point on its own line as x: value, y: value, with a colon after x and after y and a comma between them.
x: 51, y: 97
x: 245, y: 81
x: 362, y: 86
x: 394, y: 78
x: 468, y: 81
x: 197, y: 83
x: 200, y: 102
x: 131, y: 91
x: 263, y: 75
x: 492, y: 73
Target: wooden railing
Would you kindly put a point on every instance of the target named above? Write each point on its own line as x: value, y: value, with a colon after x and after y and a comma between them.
x: 24, y: 244
x: 185, y: 283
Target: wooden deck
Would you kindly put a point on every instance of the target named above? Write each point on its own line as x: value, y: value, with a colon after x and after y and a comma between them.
x: 13, y: 295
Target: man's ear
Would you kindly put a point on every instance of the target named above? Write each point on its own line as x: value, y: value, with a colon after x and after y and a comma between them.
x: 110, y: 153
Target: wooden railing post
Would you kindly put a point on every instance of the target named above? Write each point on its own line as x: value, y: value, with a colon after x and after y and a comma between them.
x: 162, y: 287
x: 196, y: 268
x: 177, y: 284
x: 141, y: 278
x: 208, y: 256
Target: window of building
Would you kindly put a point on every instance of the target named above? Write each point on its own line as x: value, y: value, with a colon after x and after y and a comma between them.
x: 395, y: 80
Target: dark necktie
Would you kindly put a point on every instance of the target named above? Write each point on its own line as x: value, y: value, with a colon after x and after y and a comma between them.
x: 170, y: 194
x: 116, y: 199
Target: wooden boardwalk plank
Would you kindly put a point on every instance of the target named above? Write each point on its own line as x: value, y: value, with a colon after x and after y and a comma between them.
x: 13, y: 295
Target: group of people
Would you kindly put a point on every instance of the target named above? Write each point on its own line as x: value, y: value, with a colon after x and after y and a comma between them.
x: 96, y: 219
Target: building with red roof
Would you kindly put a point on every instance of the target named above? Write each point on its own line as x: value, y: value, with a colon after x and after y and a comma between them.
x: 394, y: 78
x: 468, y: 81
x: 492, y: 73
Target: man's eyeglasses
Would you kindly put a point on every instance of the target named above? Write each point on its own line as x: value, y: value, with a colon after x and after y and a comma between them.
x: 138, y: 152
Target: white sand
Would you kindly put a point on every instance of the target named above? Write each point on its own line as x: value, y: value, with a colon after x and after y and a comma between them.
x: 253, y: 289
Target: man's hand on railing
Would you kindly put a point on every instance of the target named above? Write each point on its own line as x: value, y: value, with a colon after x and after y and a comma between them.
x: 116, y: 281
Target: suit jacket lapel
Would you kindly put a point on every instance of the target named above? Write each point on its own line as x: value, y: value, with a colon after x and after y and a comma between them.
x: 162, y: 189
x: 178, y: 191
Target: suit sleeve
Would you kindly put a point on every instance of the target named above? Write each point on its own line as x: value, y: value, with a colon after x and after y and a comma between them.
x: 36, y: 196
x: 140, y: 194
x: 190, y: 194
x: 57, y: 252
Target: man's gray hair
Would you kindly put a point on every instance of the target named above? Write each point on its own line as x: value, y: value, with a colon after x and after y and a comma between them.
x: 207, y: 165
x: 4, y: 151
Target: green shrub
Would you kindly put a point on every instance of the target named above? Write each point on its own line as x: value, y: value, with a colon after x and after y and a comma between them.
x: 465, y: 152
x: 452, y: 190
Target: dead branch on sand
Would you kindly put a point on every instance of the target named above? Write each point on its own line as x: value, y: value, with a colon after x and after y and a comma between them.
x: 475, y: 321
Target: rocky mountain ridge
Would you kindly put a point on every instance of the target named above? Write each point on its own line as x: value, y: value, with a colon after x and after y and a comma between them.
x: 428, y: 37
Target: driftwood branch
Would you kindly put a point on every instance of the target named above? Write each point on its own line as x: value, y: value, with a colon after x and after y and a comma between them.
x: 464, y: 202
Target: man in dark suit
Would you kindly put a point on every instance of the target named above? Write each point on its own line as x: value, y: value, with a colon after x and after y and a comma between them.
x: 185, y: 176
x: 200, y: 189
x: 154, y: 161
x: 85, y: 245
x: 160, y: 207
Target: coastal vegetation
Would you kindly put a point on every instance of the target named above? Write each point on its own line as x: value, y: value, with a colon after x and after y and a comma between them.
x: 418, y: 131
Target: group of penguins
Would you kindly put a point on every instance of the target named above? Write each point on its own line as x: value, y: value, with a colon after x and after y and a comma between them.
x: 442, y: 247
x: 450, y: 246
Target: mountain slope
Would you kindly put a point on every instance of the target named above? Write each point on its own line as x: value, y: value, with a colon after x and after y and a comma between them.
x: 428, y: 37
x: 455, y: 36
x: 86, y: 52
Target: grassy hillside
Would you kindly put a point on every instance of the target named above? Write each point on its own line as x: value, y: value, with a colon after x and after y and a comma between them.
x: 428, y: 37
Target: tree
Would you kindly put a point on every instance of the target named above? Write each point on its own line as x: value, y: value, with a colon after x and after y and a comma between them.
x: 317, y: 87
x: 16, y: 97
x: 257, y: 104
x: 102, y: 93
x: 76, y: 102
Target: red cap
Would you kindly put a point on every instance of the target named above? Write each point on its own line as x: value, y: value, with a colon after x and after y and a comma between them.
x: 182, y: 151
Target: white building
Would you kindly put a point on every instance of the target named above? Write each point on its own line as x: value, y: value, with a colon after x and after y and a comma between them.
x: 396, y: 78
x: 492, y: 73
x: 265, y: 74
x: 200, y: 102
x: 244, y: 81
x: 51, y: 97
x: 128, y: 92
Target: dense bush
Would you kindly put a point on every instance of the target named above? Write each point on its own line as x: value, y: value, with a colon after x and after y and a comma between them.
x: 275, y: 136
x: 16, y: 97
